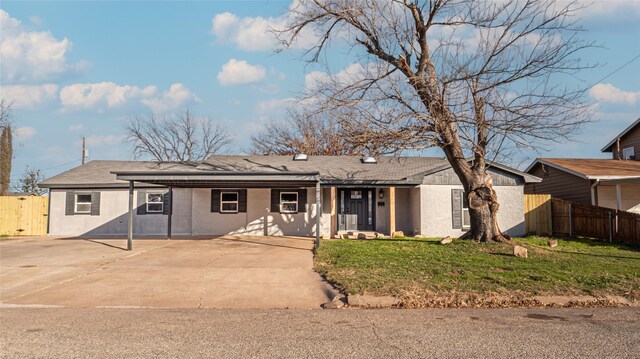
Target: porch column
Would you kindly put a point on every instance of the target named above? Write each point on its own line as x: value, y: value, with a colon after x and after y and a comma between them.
x: 318, y: 214
x: 130, y: 224
x: 169, y: 212
x: 392, y: 210
x: 334, y: 224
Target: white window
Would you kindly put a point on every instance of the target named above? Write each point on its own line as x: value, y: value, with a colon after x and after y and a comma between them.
x: 155, y: 203
x: 83, y: 203
x: 356, y: 194
x: 289, y: 202
x: 627, y: 153
x: 466, y: 220
x: 229, y: 202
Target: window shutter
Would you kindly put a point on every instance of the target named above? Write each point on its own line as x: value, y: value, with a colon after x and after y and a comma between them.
x: 275, y: 200
x: 95, y: 203
x: 456, y: 208
x: 142, y: 203
x: 215, y: 201
x: 242, y: 201
x: 70, y: 204
x: 166, y: 203
x: 302, y: 200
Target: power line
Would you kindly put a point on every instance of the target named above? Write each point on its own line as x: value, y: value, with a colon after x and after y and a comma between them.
x: 616, y: 70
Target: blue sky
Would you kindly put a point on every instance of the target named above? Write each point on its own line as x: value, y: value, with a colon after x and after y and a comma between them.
x: 76, y: 69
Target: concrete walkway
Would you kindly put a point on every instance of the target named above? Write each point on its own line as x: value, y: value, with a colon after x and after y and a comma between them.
x: 221, y: 272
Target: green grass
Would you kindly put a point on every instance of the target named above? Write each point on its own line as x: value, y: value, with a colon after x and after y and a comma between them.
x: 418, y: 267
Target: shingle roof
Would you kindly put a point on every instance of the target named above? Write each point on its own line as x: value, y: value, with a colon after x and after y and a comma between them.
x: 592, y: 168
x: 331, y: 169
x: 98, y: 173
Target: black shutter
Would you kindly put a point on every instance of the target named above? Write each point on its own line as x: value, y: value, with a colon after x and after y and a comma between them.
x: 70, y: 209
x: 275, y: 200
x: 166, y: 203
x: 142, y: 203
x: 456, y: 208
x: 242, y: 200
x: 95, y: 203
x: 215, y: 200
x: 302, y: 200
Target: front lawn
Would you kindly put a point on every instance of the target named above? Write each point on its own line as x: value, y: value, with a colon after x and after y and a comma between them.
x: 415, y: 269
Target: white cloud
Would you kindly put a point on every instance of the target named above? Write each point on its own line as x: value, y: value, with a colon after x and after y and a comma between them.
x: 98, y: 140
x: 94, y: 95
x: 31, y: 56
x: 610, y: 7
x: 348, y: 75
x: 272, y: 106
x: 110, y: 95
x: 238, y: 72
x: 255, y: 33
x: 76, y: 127
x: 611, y: 94
x: 177, y: 96
x: 28, y: 96
x: 24, y: 132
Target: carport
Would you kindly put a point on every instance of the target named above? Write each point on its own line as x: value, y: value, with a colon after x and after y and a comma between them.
x: 218, y: 179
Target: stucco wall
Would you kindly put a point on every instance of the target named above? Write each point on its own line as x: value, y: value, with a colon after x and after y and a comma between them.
x: 436, y: 214
x: 258, y: 220
x: 113, y: 218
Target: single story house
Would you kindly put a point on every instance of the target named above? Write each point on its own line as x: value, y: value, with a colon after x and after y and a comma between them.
x: 600, y: 182
x: 274, y: 195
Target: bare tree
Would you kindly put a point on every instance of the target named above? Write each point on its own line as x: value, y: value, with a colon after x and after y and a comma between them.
x: 28, y: 183
x: 177, y: 137
x: 472, y: 77
x: 312, y: 134
x: 6, y: 146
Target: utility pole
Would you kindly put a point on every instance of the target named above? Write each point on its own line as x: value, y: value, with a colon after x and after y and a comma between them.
x: 84, y: 150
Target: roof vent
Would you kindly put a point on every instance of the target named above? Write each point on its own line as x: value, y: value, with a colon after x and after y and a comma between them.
x: 369, y: 159
x: 300, y: 157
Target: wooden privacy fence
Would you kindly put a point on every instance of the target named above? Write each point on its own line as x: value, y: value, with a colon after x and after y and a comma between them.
x: 546, y: 215
x: 23, y: 215
x: 537, y: 214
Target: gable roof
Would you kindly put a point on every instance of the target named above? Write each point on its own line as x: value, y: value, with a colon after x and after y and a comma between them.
x: 608, y: 146
x: 331, y: 170
x: 592, y: 168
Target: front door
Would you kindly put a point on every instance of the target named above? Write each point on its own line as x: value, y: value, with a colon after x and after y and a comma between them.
x: 356, y: 209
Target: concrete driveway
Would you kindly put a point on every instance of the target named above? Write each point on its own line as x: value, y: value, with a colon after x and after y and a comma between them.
x: 220, y: 272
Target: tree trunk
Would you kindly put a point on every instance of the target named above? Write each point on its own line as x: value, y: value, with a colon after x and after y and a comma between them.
x: 483, y: 211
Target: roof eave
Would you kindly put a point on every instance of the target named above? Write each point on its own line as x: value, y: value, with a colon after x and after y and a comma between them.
x: 607, y: 147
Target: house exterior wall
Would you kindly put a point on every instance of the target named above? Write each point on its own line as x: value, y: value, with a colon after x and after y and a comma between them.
x: 191, y: 215
x: 559, y: 184
x: 630, y: 193
x: 113, y: 218
x: 258, y: 220
x: 630, y: 139
x: 436, y: 208
x: 382, y: 212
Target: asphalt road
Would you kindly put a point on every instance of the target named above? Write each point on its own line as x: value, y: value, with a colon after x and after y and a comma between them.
x: 442, y: 333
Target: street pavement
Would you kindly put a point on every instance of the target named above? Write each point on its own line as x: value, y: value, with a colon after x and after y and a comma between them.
x: 347, y: 333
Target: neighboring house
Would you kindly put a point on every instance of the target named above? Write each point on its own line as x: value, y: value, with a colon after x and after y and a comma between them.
x: 612, y: 183
x: 274, y: 195
x: 626, y: 145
